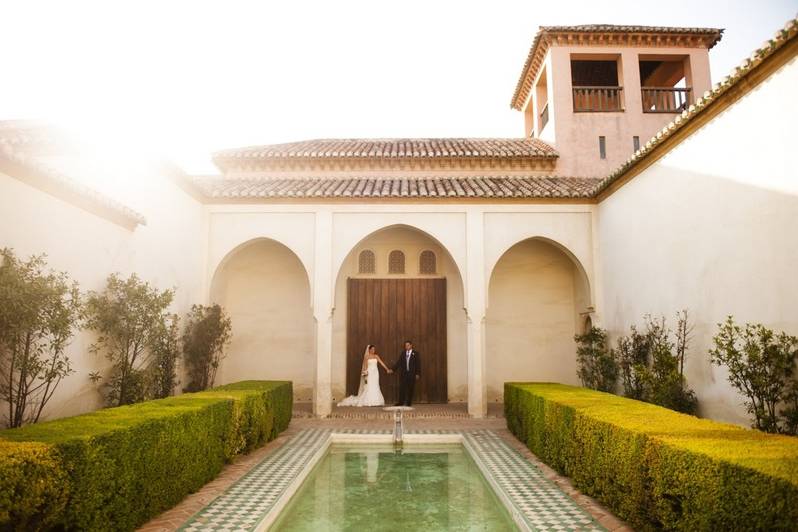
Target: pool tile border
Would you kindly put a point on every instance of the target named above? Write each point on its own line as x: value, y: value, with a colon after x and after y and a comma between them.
x: 256, y: 499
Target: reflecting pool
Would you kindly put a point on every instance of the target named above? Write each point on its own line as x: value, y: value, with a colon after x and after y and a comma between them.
x: 374, y: 488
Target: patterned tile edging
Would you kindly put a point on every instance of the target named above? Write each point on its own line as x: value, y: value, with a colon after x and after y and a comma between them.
x: 255, y: 500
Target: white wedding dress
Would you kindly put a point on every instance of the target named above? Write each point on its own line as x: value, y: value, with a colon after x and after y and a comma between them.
x: 369, y: 394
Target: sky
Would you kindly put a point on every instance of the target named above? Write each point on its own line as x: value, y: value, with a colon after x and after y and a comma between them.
x: 183, y: 79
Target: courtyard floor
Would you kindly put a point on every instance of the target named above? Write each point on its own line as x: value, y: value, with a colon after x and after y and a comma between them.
x: 424, y: 418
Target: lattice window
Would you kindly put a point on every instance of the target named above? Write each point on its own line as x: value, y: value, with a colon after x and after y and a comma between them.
x: 427, y: 263
x: 366, y: 263
x: 396, y: 262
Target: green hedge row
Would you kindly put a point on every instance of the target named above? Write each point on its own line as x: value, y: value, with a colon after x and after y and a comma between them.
x: 114, y: 469
x: 655, y: 467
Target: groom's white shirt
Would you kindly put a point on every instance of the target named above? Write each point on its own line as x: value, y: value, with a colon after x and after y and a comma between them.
x: 407, y: 358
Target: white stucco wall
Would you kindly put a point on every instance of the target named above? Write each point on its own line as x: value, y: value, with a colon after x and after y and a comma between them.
x: 532, y: 317
x: 711, y: 227
x: 167, y: 252
x: 265, y: 290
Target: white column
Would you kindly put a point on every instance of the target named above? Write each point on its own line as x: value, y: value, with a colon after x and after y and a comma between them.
x: 475, y: 308
x: 322, y: 312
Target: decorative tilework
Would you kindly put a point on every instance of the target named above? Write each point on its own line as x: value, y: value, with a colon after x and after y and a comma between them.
x: 536, y: 503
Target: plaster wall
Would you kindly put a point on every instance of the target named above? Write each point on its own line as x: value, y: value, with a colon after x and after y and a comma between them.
x: 532, y: 317
x: 265, y: 290
x: 711, y: 227
x: 167, y: 252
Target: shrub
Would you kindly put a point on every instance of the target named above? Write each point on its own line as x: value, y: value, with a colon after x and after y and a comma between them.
x: 39, y: 312
x: 761, y: 366
x: 653, y: 366
x: 207, y: 333
x: 166, y: 352
x: 129, y: 316
x: 125, y: 465
x: 598, y: 368
x: 656, y: 468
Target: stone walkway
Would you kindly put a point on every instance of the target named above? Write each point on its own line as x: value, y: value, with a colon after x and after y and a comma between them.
x: 448, y: 417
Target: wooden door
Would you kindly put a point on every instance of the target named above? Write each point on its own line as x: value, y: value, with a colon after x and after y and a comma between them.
x: 386, y: 312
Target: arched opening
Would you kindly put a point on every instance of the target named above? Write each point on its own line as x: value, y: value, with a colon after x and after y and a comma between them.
x: 537, y: 296
x: 265, y: 289
x: 403, y: 295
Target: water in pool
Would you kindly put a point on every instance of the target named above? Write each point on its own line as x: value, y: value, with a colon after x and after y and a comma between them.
x: 375, y: 488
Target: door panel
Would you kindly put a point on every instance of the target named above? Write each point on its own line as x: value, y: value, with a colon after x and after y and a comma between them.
x: 386, y: 312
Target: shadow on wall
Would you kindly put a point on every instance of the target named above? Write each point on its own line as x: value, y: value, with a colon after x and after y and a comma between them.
x: 265, y: 289
x: 711, y: 244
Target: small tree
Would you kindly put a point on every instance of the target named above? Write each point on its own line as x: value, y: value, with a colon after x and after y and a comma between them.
x: 760, y: 365
x: 39, y: 313
x: 208, y: 331
x: 633, y: 358
x: 652, y: 365
x: 598, y: 368
x: 165, y: 354
x: 129, y: 317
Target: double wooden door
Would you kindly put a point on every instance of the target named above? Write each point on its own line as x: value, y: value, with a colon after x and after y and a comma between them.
x: 386, y: 312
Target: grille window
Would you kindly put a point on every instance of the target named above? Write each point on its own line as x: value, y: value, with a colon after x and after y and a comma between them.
x: 396, y: 262
x: 636, y: 142
x: 366, y: 262
x: 603, y: 147
x: 427, y: 262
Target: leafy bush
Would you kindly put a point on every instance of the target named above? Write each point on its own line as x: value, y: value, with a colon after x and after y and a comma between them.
x: 207, y: 333
x: 129, y: 316
x: 121, y: 466
x: 165, y: 354
x: 598, y: 367
x: 39, y: 312
x: 652, y: 365
x: 761, y: 366
x: 657, y: 468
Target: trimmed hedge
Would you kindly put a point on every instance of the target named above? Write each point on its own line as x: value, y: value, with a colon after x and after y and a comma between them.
x: 655, y: 467
x: 114, y: 469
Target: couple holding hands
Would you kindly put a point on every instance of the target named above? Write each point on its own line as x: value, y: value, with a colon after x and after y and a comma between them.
x: 407, y: 366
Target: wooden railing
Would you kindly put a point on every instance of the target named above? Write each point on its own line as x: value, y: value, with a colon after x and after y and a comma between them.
x: 665, y: 99
x: 598, y: 99
x: 544, y: 117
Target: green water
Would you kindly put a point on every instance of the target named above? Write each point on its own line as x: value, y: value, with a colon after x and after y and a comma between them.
x: 374, y: 488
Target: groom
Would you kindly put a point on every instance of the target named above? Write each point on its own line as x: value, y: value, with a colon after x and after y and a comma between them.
x: 408, y: 366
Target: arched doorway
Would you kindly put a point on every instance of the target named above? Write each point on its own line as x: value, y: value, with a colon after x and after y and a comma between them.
x: 264, y: 288
x: 537, y: 298
x: 399, y: 283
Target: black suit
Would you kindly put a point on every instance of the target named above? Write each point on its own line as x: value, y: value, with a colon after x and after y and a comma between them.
x: 408, y: 372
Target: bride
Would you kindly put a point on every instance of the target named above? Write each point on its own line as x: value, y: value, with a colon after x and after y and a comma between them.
x: 369, y: 393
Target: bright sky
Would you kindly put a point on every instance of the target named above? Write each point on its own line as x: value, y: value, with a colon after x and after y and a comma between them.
x: 188, y: 77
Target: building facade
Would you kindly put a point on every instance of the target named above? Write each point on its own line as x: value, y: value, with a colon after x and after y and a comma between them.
x: 490, y: 254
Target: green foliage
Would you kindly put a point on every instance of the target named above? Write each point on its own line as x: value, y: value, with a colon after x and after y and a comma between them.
x: 656, y: 468
x: 761, y: 366
x: 39, y: 313
x: 33, y: 485
x: 165, y: 355
x: 652, y: 365
x: 129, y: 316
x: 598, y: 368
x: 114, y: 469
x: 207, y: 333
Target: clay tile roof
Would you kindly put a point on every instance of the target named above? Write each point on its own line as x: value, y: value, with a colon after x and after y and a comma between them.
x: 386, y: 149
x: 22, y: 142
x: 400, y: 187
x: 768, y: 48
x: 707, y: 37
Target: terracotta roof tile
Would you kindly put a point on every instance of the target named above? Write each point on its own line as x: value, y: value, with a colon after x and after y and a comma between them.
x: 399, y: 187
x: 386, y: 149
x: 708, y: 36
x: 21, y: 143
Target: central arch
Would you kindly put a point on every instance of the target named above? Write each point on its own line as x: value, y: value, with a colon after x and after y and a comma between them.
x: 393, y: 256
